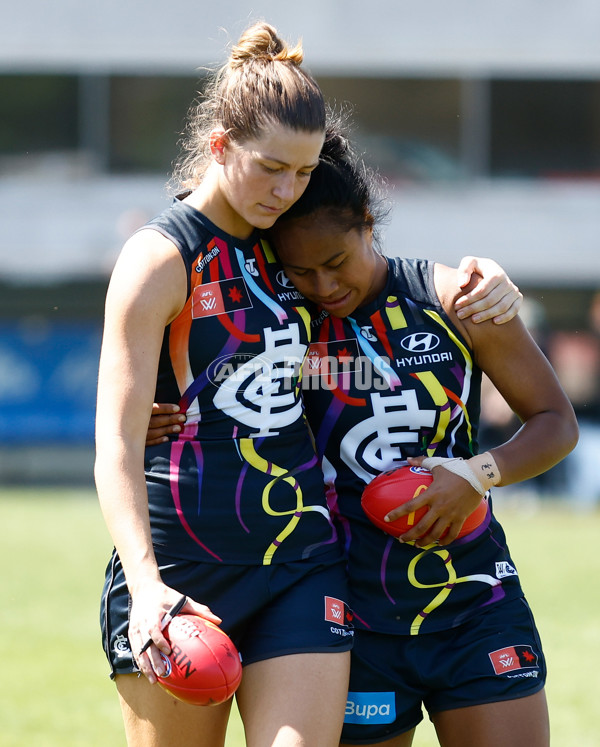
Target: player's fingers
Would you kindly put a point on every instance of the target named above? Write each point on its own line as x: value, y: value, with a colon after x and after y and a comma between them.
x: 407, y: 508
x: 426, y: 532
x: 164, y: 408
x: 479, y: 299
x: 161, y: 426
x: 195, y: 608
x: 162, y: 421
x: 465, y: 269
x: 449, y: 534
x: 511, y: 312
x: 156, y: 441
x: 421, y: 528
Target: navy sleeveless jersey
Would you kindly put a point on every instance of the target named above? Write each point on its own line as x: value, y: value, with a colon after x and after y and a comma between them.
x: 397, y: 380
x: 241, y: 483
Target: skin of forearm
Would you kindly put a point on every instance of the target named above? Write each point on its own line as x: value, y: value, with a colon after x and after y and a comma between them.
x: 124, y: 504
x: 537, y: 446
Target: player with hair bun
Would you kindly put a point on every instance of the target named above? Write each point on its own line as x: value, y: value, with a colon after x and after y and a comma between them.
x: 231, y: 512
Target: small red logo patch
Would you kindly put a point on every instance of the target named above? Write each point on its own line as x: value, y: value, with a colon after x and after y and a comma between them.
x: 334, y: 610
x: 513, y: 657
x: 220, y: 297
x: 338, y: 612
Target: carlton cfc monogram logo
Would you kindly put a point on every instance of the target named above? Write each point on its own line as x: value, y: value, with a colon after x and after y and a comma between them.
x: 420, y: 342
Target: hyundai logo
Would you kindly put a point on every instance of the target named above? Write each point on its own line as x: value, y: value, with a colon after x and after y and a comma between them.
x: 420, y: 342
x: 283, y: 280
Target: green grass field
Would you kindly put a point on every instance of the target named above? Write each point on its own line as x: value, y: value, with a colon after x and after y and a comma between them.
x: 55, y: 690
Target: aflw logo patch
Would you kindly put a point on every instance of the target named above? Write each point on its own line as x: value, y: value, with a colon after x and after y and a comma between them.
x: 331, y: 358
x: 513, y: 657
x: 337, y: 611
x: 220, y: 297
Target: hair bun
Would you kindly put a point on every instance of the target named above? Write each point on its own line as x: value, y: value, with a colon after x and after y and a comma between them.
x: 261, y: 42
x: 336, y: 147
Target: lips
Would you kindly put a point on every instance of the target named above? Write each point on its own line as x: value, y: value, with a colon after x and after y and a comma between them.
x: 335, y: 304
x: 273, y: 210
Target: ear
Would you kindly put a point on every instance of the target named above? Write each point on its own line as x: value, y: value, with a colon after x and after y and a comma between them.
x: 218, y: 141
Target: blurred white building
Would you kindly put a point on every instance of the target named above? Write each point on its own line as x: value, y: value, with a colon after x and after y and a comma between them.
x: 485, y: 115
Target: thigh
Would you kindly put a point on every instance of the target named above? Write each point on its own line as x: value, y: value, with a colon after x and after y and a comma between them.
x: 153, y: 718
x: 510, y: 723
x: 295, y: 700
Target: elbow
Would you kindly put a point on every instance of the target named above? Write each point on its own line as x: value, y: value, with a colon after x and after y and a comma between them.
x: 572, y: 434
x: 566, y: 429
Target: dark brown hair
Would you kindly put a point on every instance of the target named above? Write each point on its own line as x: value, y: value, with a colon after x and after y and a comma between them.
x: 261, y: 84
x: 342, y: 190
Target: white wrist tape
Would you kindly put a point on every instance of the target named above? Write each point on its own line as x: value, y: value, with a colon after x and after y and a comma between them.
x: 480, y: 471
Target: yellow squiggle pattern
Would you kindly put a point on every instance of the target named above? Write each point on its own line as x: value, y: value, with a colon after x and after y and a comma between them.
x: 263, y: 465
x: 468, y: 368
x: 440, y: 399
x: 446, y: 586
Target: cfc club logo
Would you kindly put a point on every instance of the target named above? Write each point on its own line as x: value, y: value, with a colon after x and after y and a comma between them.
x: 121, y: 646
x: 420, y: 342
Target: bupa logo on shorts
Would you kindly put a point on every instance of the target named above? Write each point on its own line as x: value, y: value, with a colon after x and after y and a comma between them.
x: 370, y: 708
x: 513, y: 657
x: 337, y: 611
x: 504, y: 569
x: 420, y: 342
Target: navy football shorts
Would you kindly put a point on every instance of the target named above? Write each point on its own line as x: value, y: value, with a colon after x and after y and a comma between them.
x: 494, y: 656
x: 267, y: 610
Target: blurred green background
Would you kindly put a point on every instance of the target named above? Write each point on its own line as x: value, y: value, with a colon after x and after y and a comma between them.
x: 56, y: 691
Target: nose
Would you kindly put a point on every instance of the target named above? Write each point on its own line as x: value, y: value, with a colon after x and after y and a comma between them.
x: 285, y: 186
x: 325, y: 285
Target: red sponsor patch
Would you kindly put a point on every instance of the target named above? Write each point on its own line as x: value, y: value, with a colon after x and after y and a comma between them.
x: 220, y: 297
x: 513, y: 657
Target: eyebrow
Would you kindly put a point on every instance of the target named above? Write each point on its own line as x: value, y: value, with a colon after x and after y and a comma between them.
x: 285, y: 163
x: 326, y: 262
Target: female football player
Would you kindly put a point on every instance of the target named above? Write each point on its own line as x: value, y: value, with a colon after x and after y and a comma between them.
x: 394, y: 376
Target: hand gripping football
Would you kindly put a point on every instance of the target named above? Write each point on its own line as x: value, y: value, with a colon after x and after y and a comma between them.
x: 204, y: 666
x: 395, y: 487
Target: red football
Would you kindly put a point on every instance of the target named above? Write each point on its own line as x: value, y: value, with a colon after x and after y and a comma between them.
x: 204, y: 666
x: 397, y: 486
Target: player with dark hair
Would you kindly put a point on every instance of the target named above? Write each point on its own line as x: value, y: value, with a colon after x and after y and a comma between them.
x: 395, y: 377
